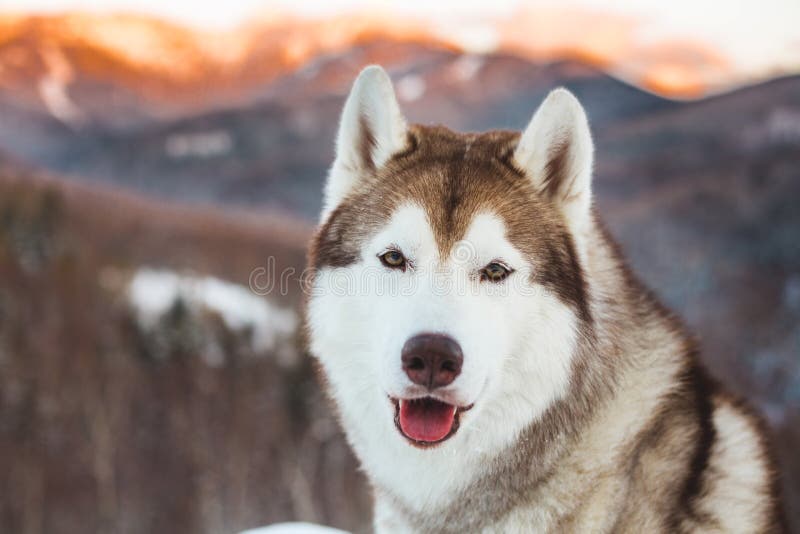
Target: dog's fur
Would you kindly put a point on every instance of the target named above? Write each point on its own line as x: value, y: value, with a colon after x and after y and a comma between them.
x: 590, y: 411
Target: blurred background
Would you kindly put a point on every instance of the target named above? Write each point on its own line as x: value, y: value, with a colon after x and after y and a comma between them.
x: 160, y: 162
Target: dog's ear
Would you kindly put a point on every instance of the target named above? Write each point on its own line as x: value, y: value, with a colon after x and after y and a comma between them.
x: 556, y: 151
x: 371, y: 129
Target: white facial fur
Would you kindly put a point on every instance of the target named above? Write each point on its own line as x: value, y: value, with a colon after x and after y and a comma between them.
x: 517, y: 340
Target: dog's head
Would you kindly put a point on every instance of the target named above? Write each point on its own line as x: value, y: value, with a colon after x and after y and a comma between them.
x: 448, y: 291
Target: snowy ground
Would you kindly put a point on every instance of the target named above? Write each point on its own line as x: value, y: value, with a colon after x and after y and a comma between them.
x: 294, y: 528
x: 153, y: 293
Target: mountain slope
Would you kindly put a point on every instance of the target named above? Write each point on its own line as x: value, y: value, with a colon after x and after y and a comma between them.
x: 111, y: 421
x: 275, y: 151
x: 117, y: 71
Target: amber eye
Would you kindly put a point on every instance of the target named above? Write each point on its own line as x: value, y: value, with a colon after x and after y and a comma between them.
x: 495, y: 272
x: 393, y: 259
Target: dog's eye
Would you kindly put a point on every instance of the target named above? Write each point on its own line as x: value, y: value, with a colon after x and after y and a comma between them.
x: 393, y: 259
x: 495, y: 272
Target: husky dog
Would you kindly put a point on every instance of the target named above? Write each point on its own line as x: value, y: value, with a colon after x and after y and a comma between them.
x: 494, y: 363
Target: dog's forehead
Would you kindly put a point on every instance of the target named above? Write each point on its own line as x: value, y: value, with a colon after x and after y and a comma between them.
x: 455, y: 178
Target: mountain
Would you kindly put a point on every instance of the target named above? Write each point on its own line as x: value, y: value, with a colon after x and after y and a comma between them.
x: 120, y: 70
x: 702, y: 195
x: 274, y: 150
x: 69, y: 82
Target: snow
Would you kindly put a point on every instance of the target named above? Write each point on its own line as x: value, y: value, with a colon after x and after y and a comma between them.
x: 53, y: 88
x: 199, y: 144
x: 55, y: 98
x: 411, y: 87
x: 783, y: 125
x: 294, y: 528
x: 780, y: 127
x: 475, y: 38
x: 467, y: 66
x: 152, y: 293
x: 791, y: 293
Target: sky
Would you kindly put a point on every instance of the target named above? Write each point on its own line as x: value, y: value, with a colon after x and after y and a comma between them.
x: 760, y: 36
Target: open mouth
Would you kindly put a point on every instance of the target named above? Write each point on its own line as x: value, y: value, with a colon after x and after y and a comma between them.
x: 426, y: 421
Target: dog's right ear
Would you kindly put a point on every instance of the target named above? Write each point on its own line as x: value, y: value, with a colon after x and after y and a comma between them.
x: 371, y: 129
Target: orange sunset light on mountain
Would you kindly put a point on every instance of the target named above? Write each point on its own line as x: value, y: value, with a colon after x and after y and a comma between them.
x: 180, y: 48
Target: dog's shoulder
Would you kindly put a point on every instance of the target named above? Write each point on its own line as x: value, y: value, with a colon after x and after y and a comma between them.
x: 731, y: 482
x: 740, y: 486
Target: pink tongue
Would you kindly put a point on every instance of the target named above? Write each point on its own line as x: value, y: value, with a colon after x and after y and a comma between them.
x: 426, y: 419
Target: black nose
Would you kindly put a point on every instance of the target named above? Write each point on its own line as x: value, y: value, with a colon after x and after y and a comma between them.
x: 432, y: 360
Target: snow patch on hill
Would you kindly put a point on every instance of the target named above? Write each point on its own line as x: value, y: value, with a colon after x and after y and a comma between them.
x: 153, y: 293
x: 411, y: 88
x: 466, y: 67
x: 199, y: 144
x: 53, y: 88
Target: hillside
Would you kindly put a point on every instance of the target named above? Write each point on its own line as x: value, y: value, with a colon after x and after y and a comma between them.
x: 117, y: 415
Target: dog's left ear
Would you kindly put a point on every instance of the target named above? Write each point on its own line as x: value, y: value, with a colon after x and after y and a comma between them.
x: 556, y: 151
x: 371, y: 130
